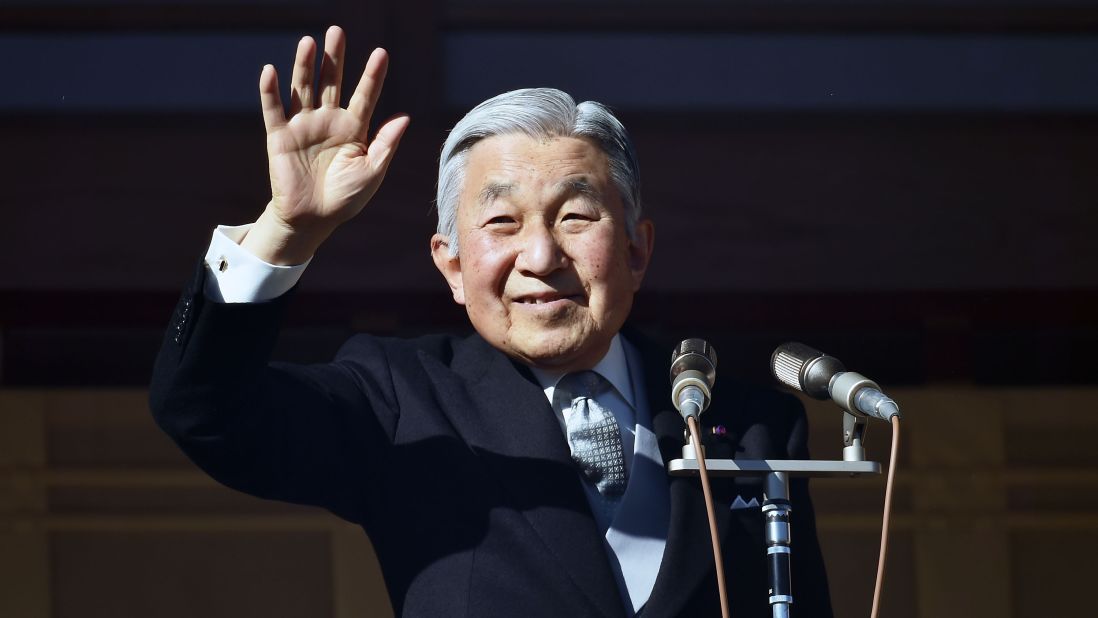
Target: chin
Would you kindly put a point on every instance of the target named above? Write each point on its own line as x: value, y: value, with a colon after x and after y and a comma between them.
x: 563, y: 353
x: 548, y: 357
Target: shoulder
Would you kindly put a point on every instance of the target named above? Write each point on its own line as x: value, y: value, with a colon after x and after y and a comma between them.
x: 763, y: 400
x: 400, y: 353
x: 440, y: 346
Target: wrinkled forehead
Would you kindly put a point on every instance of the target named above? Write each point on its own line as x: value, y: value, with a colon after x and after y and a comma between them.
x: 515, y: 164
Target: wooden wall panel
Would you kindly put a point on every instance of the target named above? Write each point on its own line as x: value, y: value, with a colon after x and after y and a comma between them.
x: 183, y: 574
x: 1052, y: 571
x: 24, y: 547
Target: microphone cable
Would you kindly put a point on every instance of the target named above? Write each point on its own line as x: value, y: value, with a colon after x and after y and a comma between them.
x: 695, y: 435
x: 886, y: 517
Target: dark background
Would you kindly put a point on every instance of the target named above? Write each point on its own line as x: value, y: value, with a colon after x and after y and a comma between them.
x: 909, y: 185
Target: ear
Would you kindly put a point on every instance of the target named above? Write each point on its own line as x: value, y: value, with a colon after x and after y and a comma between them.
x: 449, y: 266
x: 640, y: 250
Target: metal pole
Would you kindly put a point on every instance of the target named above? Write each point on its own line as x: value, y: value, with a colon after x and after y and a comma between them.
x: 776, y: 509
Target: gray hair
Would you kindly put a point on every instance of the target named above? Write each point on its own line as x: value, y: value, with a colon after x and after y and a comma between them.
x: 538, y: 113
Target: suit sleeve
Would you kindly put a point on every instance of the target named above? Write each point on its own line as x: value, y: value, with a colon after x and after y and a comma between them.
x: 293, y: 433
x: 810, y: 588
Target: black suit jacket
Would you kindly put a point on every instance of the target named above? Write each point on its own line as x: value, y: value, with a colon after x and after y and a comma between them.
x: 448, y: 455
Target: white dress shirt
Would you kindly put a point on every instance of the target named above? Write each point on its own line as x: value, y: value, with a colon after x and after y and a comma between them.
x: 241, y: 277
x: 636, y: 538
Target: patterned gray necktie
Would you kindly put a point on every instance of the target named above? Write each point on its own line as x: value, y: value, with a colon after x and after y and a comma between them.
x: 593, y: 435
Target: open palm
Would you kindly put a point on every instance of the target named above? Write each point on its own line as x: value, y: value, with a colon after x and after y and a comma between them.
x: 323, y: 167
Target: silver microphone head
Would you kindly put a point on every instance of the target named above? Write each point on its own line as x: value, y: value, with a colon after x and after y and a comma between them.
x: 695, y: 355
x: 693, y: 372
x: 805, y: 369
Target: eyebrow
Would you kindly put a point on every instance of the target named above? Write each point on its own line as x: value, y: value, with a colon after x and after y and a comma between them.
x: 574, y: 186
x: 581, y: 186
x: 493, y: 190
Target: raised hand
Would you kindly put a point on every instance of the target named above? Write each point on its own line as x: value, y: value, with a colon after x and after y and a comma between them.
x: 323, y: 167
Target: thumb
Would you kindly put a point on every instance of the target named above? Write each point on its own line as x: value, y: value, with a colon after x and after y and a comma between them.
x: 385, y: 143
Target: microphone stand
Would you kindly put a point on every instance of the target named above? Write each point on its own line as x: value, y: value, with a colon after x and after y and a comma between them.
x: 776, y: 506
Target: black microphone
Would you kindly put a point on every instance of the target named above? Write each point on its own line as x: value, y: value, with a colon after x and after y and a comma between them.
x: 693, y: 371
x: 824, y: 377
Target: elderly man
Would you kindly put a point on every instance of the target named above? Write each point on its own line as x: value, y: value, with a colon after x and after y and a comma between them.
x: 517, y: 471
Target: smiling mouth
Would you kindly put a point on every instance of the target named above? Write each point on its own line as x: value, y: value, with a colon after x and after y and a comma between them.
x: 545, y: 299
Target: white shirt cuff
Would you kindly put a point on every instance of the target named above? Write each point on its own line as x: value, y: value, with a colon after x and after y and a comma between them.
x: 238, y: 276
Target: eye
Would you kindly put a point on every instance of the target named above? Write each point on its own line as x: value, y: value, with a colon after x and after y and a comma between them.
x: 501, y: 223
x: 577, y: 219
x: 577, y: 216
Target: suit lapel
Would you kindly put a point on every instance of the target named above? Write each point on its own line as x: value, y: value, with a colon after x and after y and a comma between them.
x: 687, y: 566
x: 505, y: 418
x: 688, y: 557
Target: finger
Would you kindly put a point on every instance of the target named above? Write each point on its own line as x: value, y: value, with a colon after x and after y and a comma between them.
x: 385, y: 143
x: 369, y: 86
x: 269, y: 99
x: 301, y: 81
x: 331, y: 66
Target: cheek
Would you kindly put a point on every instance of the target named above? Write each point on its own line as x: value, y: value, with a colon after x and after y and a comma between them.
x: 599, y: 259
x: 485, y: 266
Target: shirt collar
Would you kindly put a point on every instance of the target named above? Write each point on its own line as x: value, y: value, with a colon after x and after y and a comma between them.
x: 613, y: 367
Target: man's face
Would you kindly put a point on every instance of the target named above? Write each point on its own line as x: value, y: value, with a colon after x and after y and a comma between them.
x: 546, y: 269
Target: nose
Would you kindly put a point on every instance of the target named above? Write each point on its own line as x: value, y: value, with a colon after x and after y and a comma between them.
x: 540, y: 252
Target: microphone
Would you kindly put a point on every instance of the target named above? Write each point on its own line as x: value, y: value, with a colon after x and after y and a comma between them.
x: 824, y: 377
x: 693, y: 371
